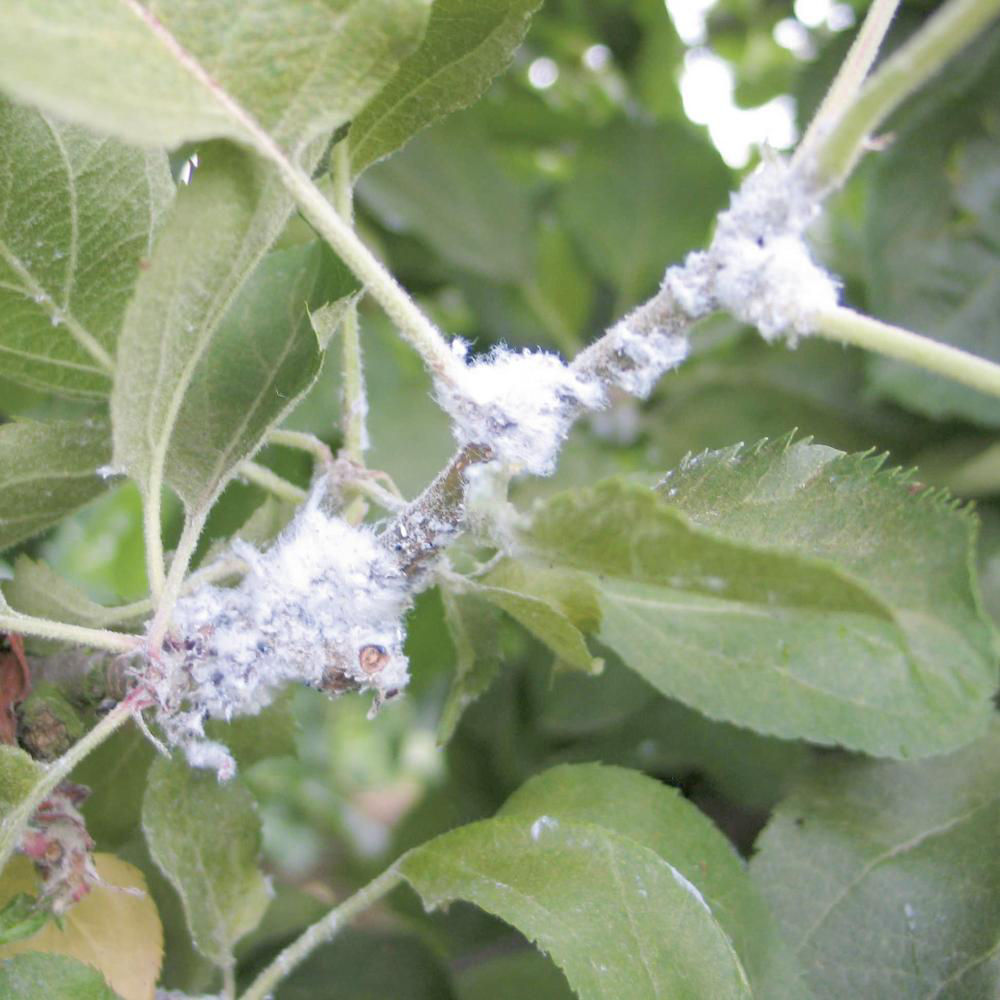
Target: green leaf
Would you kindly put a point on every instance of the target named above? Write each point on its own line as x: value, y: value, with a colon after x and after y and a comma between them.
x: 645, y: 930
x: 38, y: 590
x: 205, y: 837
x: 885, y: 877
x: 792, y: 589
x: 467, y: 43
x: 21, y: 917
x: 660, y: 818
x: 641, y: 196
x: 473, y: 624
x: 77, y: 214
x: 47, y: 471
x: 116, y: 773
x: 263, y: 358
x: 450, y: 189
x: 214, y: 238
x: 18, y: 775
x: 167, y: 72
x: 933, y: 234
x: 35, y: 974
x: 361, y: 965
x: 553, y: 605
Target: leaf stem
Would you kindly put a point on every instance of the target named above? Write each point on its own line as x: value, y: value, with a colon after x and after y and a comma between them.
x: 851, y: 75
x: 849, y: 327
x: 413, y: 325
x: 944, y: 34
x: 324, y: 930
x: 302, y: 442
x: 174, y: 583
x: 155, y: 564
x: 116, y: 642
x: 272, y: 482
x: 354, y: 402
x: 14, y: 822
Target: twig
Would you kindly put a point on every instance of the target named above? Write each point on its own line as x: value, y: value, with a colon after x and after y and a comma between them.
x: 116, y: 642
x: 354, y: 401
x: 302, y: 442
x: 15, y: 821
x: 271, y: 481
x: 175, y: 579
x: 907, y: 69
x: 851, y: 75
x: 849, y: 327
x: 319, y: 933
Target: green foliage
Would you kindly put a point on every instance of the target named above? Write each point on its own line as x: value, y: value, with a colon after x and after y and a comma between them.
x: 206, y: 838
x: 168, y: 173
x: 20, y: 918
x: 466, y: 44
x: 647, y: 929
x: 898, y: 847
x: 169, y: 73
x: 70, y: 247
x: 46, y: 472
x: 627, y: 180
x: 934, y: 230
x: 766, y: 586
x: 26, y: 977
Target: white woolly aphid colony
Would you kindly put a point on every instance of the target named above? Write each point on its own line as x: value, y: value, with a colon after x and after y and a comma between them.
x: 325, y: 605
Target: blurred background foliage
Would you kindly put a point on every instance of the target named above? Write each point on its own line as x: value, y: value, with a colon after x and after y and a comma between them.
x: 535, y: 218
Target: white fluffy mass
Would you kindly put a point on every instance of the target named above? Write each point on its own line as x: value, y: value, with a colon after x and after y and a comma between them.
x: 520, y: 404
x: 651, y: 355
x: 323, y: 606
x: 758, y: 266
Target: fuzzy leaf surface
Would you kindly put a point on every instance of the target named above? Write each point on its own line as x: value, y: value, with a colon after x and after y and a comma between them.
x: 554, y: 606
x: 473, y: 624
x: 205, y: 837
x: 33, y: 975
x: 264, y: 356
x: 467, y: 43
x: 47, y: 470
x: 792, y: 589
x: 77, y: 214
x: 164, y: 72
x: 660, y: 818
x: 885, y: 877
x: 113, y: 931
x: 18, y: 774
x: 214, y: 333
x: 38, y: 590
x: 646, y: 929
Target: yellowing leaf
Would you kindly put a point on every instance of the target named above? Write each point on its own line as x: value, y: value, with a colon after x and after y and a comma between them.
x: 117, y: 932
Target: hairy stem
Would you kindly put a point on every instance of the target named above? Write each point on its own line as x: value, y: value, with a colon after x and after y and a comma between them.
x: 116, y: 642
x: 849, y: 327
x: 155, y: 563
x: 302, y: 442
x: 411, y: 322
x: 174, y: 584
x: 354, y: 402
x: 944, y: 34
x: 851, y: 75
x: 272, y: 482
x: 320, y: 933
x: 15, y: 821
